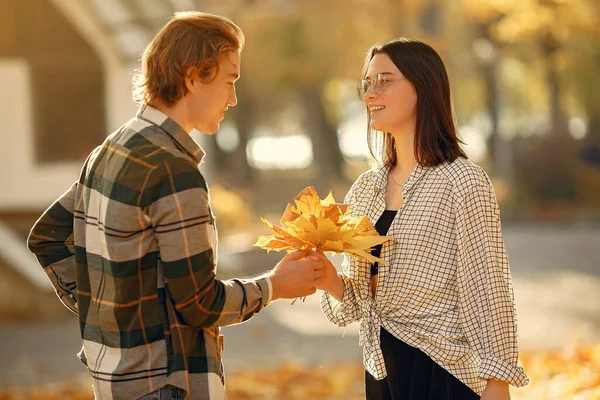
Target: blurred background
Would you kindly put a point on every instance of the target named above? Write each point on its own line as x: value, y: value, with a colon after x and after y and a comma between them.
x: 525, y: 76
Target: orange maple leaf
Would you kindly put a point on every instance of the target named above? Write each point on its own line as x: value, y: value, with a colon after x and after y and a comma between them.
x: 322, y: 225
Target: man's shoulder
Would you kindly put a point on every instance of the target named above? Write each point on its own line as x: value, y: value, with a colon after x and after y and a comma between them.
x: 148, y: 145
x: 140, y: 160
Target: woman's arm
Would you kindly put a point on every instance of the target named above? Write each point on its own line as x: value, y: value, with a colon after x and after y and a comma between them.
x: 496, y: 390
x: 339, y: 302
x: 486, y: 301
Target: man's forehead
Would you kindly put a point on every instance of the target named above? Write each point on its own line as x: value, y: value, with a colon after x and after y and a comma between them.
x: 230, y: 62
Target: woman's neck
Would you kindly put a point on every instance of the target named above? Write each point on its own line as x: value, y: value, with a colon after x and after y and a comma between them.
x: 405, y: 151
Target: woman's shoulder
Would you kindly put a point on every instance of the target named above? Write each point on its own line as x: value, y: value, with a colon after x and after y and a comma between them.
x: 366, y: 180
x: 369, y: 176
x: 462, y: 174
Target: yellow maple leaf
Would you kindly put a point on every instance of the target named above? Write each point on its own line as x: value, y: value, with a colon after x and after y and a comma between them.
x: 322, y: 225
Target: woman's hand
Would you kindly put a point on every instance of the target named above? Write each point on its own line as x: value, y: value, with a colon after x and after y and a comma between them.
x: 496, y: 390
x: 330, y: 281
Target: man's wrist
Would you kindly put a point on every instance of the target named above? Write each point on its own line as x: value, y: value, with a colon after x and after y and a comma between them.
x: 270, y: 286
x: 273, y: 285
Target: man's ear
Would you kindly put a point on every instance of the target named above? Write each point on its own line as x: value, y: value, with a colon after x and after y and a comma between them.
x: 191, y: 74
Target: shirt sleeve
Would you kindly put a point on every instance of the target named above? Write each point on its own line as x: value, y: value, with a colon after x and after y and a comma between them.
x: 51, y: 240
x: 185, y: 232
x: 347, y: 311
x: 486, y: 299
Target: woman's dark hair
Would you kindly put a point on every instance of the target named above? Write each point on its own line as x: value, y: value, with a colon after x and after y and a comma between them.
x: 435, y: 131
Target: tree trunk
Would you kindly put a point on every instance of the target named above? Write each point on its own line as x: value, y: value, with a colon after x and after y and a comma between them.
x: 323, y: 134
x: 550, y: 47
x: 493, y: 104
x: 499, y: 149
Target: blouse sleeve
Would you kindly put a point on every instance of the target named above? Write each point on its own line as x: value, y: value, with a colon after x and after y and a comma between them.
x: 347, y: 311
x: 486, y: 299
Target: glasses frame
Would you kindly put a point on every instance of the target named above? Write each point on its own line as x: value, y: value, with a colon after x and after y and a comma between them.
x: 379, y: 84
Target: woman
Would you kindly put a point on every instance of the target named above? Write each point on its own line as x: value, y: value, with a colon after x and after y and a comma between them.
x: 437, y: 322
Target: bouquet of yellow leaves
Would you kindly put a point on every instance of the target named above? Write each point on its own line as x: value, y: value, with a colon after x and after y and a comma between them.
x: 324, y: 226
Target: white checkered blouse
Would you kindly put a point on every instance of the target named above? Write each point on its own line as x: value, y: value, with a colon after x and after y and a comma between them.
x: 447, y: 289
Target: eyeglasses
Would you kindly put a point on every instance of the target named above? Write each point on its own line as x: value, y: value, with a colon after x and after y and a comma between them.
x: 379, y: 84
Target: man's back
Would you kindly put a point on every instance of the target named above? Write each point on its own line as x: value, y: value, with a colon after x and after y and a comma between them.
x: 144, y: 244
x: 125, y: 314
x: 131, y: 246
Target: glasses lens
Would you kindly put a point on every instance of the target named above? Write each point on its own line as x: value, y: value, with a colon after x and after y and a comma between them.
x: 379, y: 84
x: 362, y: 88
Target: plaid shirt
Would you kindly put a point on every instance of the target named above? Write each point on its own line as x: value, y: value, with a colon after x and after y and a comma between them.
x: 131, y: 248
x: 447, y: 289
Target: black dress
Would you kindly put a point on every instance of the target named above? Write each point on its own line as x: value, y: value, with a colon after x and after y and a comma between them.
x: 411, y: 374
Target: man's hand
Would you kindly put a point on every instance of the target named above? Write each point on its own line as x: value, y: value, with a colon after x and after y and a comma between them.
x: 296, y: 275
x: 496, y: 390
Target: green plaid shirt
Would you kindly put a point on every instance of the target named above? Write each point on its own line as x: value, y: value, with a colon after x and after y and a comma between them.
x: 131, y: 248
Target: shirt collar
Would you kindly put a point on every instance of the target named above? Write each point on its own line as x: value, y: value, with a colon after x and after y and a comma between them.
x: 381, y: 178
x: 181, y: 139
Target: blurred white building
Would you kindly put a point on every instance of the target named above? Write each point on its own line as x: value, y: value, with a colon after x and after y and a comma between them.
x: 66, y: 68
x: 65, y: 79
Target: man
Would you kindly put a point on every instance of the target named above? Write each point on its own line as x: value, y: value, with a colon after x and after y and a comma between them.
x: 131, y: 246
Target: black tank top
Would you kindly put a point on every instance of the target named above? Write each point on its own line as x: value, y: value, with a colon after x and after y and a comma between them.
x: 382, y: 226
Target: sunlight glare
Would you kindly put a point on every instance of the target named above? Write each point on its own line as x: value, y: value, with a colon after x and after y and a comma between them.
x: 352, y: 137
x: 475, y: 145
x: 283, y: 152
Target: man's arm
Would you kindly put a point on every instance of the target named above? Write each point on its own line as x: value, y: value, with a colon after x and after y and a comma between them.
x: 185, y: 232
x: 51, y: 240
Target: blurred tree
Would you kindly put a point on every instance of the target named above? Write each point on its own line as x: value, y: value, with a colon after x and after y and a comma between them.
x: 583, y: 69
x: 294, y: 54
x: 550, y: 24
x: 293, y: 57
x: 547, y: 165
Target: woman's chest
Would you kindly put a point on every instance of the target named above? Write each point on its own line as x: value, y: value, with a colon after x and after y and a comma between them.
x: 422, y: 258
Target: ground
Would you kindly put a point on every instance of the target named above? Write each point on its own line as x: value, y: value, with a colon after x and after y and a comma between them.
x: 556, y: 275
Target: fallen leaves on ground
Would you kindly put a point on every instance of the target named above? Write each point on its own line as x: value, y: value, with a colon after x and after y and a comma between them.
x: 322, y: 225
x: 569, y: 374
x: 293, y: 382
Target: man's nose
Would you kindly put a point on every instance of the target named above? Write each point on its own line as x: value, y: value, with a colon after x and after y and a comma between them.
x: 233, y: 98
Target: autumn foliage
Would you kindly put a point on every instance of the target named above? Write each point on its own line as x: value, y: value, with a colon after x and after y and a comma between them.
x: 555, y: 375
x: 322, y: 225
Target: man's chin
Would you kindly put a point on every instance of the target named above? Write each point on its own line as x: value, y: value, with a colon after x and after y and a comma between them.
x: 208, y: 130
